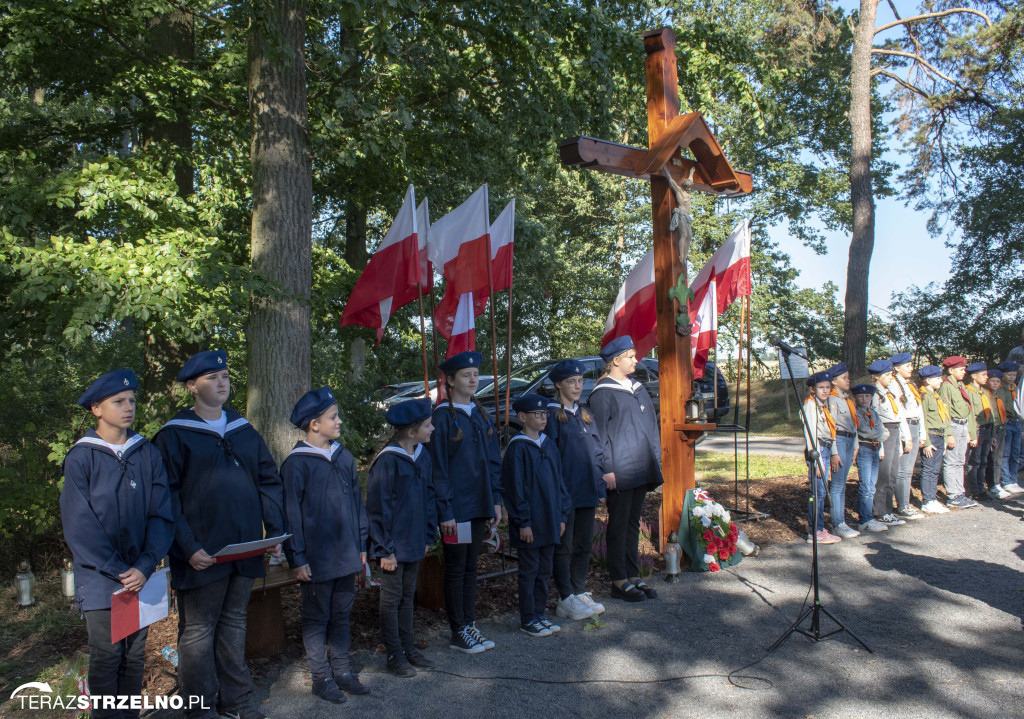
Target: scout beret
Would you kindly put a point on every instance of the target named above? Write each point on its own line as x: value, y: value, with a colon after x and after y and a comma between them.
x: 567, y: 368
x: 929, y: 371
x: 409, y: 412
x: 880, y: 366
x: 900, y: 358
x: 976, y: 367
x: 998, y: 374
x: 462, y: 360
x: 1009, y: 367
x: 954, y: 361
x: 862, y: 389
x: 529, y: 403
x: 203, y: 363
x: 111, y: 383
x: 818, y: 377
x: 616, y: 347
x: 837, y: 369
x: 311, y: 405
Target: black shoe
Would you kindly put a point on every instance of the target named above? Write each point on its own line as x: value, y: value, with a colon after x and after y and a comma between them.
x: 416, y: 658
x: 627, y: 592
x: 400, y: 666
x: 327, y: 691
x: 649, y: 591
x: 350, y: 683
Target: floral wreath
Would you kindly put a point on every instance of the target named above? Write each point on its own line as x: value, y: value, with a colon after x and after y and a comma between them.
x: 714, y: 529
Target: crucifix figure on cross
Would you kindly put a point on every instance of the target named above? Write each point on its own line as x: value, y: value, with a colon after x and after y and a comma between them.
x: 672, y: 177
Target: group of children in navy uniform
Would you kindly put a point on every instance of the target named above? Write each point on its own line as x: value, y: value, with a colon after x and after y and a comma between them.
x: 970, y: 432
x: 208, y: 480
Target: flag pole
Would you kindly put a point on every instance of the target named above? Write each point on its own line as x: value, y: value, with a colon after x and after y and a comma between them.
x: 494, y: 331
x: 508, y: 355
x: 423, y: 340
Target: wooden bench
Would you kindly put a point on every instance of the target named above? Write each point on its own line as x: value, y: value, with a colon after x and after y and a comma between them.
x: 264, y: 636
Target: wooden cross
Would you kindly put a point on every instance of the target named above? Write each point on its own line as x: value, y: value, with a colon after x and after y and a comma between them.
x: 668, y: 132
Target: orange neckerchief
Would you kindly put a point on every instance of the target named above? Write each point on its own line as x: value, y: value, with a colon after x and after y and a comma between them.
x: 913, y: 391
x: 828, y: 415
x: 851, y: 405
x: 1002, y: 410
x: 943, y: 412
x: 892, y: 403
x: 1013, y: 391
x: 986, y: 406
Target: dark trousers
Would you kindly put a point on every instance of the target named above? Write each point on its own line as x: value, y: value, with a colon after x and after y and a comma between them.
x: 888, y: 472
x: 114, y: 669
x: 211, y: 645
x: 325, y: 610
x: 624, y: 508
x: 993, y: 466
x: 397, y: 590
x: 460, y: 562
x: 534, y: 573
x: 977, y: 458
x: 572, y: 556
x: 930, y: 467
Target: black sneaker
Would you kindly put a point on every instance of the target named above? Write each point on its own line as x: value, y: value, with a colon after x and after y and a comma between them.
x: 416, y: 658
x: 328, y: 691
x: 400, y: 666
x: 480, y: 638
x: 463, y: 641
x: 349, y: 682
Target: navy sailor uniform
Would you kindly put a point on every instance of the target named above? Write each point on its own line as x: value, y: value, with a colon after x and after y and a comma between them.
x: 627, y: 414
x: 224, y: 490
x: 467, y: 472
x: 579, y: 446
x: 325, y: 512
x: 401, y: 504
x: 116, y: 513
x: 536, y: 496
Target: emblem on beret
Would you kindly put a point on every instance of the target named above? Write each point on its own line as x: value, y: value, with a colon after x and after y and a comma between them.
x: 126, y: 382
x: 220, y: 361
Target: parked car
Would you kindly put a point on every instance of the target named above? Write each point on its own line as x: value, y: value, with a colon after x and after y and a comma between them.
x: 707, y: 389
x: 401, y: 391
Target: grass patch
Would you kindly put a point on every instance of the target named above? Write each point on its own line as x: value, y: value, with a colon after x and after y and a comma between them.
x: 714, y: 467
x: 768, y: 408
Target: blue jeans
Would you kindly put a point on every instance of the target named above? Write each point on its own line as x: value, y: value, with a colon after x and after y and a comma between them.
x: 977, y: 457
x: 844, y: 447
x: 816, y: 509
x: 930, y: 467
x: 1011, y: 453
x: 867, y: 468
x: 325, y: 610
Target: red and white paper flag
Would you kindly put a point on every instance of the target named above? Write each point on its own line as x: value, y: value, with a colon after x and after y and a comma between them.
x: 131, y: 611
x: 463, y: 534
x: 244, y: 550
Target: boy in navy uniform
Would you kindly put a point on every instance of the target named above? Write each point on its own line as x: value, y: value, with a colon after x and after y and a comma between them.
x: 327, y: 520
x: 538, y: 506
x: 400, y: 504
x: 118, y: 523
x: 631, y: 447
x: 224, y: 490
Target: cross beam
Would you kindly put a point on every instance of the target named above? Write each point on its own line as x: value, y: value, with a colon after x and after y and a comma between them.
x: 668, y: 132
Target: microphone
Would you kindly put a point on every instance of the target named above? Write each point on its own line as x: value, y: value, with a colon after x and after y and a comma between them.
x: 774, y: 340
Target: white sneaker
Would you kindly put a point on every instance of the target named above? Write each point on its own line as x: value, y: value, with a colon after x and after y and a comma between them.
x: 1001, y: 492
x: 594, y: 607
x: 933, y: 507
x: 1013, y: 488
x: 572, y: 608
x: 872, y: 525
x: 891, y: 520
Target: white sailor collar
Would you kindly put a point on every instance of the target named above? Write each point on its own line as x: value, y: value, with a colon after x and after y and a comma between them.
x: 91, y: 439
x: 305, y: 448
x: 199, y: 425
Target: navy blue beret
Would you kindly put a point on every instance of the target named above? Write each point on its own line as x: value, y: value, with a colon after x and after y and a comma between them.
x: 462, y: 360
x: 616, y: 347
x: 929, y: 371
x: 409, y: 412
x: 880, y: 366
x: 566, y: 369
x: 900, y: 358
x: 111, y: 383
x: 203, y: 363
x: 976, y: 367
x: 862, y: 389
x: 311, y: 405
x: 837, y: 369
x: 998, y: 374
x: 529, y: 403
x: 1009, y: 366
x: 818, y: 378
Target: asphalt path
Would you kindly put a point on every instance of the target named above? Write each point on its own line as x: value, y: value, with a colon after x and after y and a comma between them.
x: 940, y: 601
x: 759, y: 444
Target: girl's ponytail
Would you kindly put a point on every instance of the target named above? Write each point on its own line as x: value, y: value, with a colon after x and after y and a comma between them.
x: 585, y: 415
x: 479, y: 406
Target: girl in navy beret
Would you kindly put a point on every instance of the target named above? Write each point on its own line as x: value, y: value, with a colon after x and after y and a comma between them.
x: 401, y: 506
x: 467, y: 482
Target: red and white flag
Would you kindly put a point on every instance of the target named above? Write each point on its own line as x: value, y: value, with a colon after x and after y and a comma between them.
x: 503, y: 232
x: 392, y: 279
x: 704, y: 330
x: 728, y: 269
x: 634, y: 312
x: 131, y: 611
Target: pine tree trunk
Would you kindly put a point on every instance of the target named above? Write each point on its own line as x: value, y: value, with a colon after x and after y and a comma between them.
x: 278, y: 335
x: 861, y: 194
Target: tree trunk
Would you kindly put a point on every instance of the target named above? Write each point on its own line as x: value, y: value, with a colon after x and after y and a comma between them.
x: 861, y: 194
x: 278, y: 336
x: 357, y: 257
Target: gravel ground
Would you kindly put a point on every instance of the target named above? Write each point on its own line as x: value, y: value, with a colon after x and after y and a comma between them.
x: 940, y: 600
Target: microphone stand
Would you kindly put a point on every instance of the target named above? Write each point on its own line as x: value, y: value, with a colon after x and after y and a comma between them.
x: 813, y: 463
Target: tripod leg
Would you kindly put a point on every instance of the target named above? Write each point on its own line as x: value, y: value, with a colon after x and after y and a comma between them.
x: 794, y: 627
x: 844, y: 628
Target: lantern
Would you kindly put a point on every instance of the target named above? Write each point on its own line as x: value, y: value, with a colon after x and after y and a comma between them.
x: 67, y: 579
x: 673, y: 556
x: 746, y: 547
x: 25, y: 583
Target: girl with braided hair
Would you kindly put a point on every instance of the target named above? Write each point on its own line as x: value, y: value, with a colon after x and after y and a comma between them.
x: 467, y: 481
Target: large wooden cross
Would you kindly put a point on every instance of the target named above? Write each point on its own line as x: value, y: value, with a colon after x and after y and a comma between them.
x: 709, y: 171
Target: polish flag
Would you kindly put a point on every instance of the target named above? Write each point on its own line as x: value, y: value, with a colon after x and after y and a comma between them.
x: 503, y: 231
x: 728, y: 269
x: 423, y: 233
x: 131, y: 611
x: 634, y: 312
x: 393, y: 278
x: 704, y: 330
